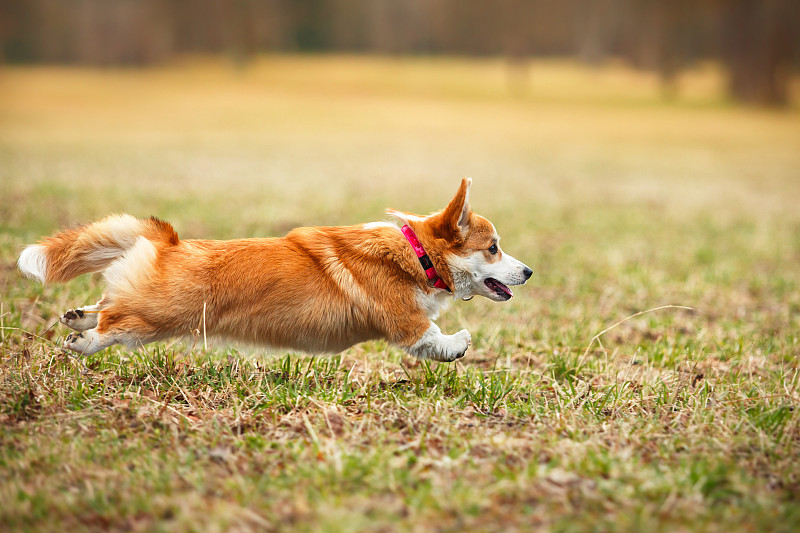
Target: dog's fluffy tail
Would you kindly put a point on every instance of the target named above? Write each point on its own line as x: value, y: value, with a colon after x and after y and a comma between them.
x: 90, y: 248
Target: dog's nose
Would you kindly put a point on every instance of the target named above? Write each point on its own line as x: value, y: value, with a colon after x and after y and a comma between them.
x: 527, y: 272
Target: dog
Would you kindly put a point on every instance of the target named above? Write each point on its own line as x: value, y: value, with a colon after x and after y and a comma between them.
x: 316, y: 290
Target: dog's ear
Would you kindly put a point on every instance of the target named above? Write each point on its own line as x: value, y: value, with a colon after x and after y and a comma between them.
x: 456, y: 215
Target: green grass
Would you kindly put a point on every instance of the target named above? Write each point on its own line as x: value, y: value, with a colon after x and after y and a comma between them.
x: 672, y: 420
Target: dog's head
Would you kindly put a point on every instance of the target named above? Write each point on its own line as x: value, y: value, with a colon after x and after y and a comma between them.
x: 465, y: 248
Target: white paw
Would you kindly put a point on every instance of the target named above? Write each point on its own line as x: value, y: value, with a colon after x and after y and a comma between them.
x: 463, y: 341
x: 79, y: 320
x: 452, y: 347
x: 87, y: 342
x: 77, y: 342
x: 439, y: 347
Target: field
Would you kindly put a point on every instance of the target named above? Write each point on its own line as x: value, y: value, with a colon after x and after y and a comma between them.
x: 568, y: 413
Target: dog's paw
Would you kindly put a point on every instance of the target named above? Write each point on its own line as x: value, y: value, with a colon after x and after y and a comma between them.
x: 465, y: 339
x: 436, y: 346
x: 78, y: 320
x: 76, y: 342
x: 88, y: 342
x: 454, y: 347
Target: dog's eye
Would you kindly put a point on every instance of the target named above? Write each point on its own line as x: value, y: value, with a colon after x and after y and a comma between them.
x: 493, y: 249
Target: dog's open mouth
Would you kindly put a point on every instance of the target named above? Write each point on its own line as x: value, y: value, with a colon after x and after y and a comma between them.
x: 502, y: 292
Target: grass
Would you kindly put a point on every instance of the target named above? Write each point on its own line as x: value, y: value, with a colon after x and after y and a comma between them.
x: 673, y: 419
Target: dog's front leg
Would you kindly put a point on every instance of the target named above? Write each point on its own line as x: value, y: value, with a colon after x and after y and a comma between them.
x: 440, y: 347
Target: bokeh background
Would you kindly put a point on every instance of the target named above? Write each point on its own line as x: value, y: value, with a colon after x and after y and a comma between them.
x: 755, y: 40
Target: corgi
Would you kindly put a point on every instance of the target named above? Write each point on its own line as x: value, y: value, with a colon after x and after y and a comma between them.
x: 318, y: 289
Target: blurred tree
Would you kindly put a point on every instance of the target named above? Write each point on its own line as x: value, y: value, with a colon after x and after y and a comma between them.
x: 16, y: 45
x: 756, y: 39
x: 759, y: 37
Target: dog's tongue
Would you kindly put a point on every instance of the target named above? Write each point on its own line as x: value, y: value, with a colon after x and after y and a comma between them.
x: 499, y: 287
x: 505, y: 289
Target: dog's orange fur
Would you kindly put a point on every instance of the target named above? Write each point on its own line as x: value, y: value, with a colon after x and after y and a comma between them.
x: 318, y: 289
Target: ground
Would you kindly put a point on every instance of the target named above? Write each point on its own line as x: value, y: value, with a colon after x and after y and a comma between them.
x: 565, y: 415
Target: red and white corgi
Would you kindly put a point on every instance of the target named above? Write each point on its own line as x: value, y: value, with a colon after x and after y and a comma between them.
x: 318, y: 289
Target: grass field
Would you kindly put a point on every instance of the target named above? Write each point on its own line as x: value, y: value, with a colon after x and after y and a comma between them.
x: 673, y: 420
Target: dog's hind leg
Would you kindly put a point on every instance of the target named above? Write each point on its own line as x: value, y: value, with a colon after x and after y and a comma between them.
x: 84, y: 318
x: 115, y: 326
x: 88, y: 342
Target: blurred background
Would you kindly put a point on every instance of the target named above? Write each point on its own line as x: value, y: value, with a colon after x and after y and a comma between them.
x: 756, y: 40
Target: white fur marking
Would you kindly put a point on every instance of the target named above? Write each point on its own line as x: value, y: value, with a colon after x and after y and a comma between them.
x: 127, y: 272
x: 33, y: 262
x: 123, y: 229
x: 405, y: 217
x: 118, y: 233
x: 78, y: 323
x: 470, y: 272
x: 433, y: 303
x: 439, y: 347
x: 375, y: 225
x: 88, y: 342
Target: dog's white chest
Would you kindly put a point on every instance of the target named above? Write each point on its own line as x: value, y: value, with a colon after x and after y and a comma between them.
x: 434, y: 303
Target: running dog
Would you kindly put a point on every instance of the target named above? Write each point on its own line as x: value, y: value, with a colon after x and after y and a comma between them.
x: 318, y: 289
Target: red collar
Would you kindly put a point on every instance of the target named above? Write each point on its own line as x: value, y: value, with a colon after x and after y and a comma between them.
x: 433, y: 277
